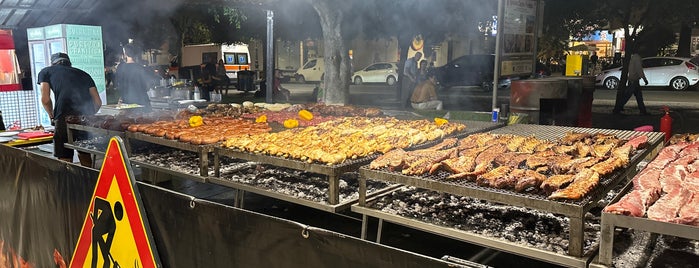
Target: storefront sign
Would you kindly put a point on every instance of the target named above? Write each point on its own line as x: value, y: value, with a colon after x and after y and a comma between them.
x: 115, y: 230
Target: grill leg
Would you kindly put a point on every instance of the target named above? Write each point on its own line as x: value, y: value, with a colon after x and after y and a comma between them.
x: 378, y: 231
x: 365, y: 222
x: 362, y: 191
x: 204, y: 164
x: 575, y: 246
x: 334, y: 189
x: 606, y: 243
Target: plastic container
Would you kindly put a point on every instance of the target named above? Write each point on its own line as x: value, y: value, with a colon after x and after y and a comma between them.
x: 197, y: 93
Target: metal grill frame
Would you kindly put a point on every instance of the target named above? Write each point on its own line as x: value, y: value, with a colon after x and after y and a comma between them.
x: 332, y: 171
x: 201, y: 150
x: 466, y: 236
x: 610, y: 221
x: 575, y: 211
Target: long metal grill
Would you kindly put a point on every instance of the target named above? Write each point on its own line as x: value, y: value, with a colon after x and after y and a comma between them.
x: 574, y: 209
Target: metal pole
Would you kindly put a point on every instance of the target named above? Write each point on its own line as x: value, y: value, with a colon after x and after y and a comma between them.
x: 498, y: 44
x: 269, y: 58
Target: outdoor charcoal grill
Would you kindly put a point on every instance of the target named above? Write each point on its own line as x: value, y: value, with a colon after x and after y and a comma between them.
x: 610, y: 221
x: 332, y: 171
x: 575, y: 210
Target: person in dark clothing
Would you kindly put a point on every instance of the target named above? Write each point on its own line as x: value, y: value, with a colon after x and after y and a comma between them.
x: 75, y: 94
x: 206, y: 80
x: 633, y: 88
x: 132, y: 80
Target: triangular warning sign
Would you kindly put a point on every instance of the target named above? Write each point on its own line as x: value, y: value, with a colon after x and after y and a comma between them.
x: 116, y: 228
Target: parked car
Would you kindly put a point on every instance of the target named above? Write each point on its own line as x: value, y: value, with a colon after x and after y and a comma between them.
x: 312, y: 71
x: 380, y: 72
x: 470, y: 70
x: 678, y: 73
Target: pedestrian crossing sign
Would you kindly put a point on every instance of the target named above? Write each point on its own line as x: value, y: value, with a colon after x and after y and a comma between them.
x: 115, y: 231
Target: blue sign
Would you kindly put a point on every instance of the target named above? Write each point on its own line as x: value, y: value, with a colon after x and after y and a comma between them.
x: 605, y: 36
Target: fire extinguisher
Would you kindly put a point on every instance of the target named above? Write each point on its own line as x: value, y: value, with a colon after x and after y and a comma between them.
x: 666, y: 123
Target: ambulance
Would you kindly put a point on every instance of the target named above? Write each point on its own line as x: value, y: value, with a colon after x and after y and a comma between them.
x: 236, y: 57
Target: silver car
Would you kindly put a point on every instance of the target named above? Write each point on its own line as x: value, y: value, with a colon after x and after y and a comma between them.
x: 678, y: 73
x: 380, y: 72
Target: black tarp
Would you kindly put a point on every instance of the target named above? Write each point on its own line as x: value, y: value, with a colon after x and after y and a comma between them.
x: 43, y: 203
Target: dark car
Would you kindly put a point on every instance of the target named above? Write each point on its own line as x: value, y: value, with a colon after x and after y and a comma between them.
x: 469, y: 70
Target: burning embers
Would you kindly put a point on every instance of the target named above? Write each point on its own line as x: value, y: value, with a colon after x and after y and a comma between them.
x: 565, y: 169
x: 522, y: 226
x: 667, y: 189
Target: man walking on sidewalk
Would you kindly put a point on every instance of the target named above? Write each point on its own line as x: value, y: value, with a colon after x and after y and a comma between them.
x: 634, y: 86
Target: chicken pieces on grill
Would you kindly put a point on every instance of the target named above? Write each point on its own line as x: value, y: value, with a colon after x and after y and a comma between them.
x: 568, y: 168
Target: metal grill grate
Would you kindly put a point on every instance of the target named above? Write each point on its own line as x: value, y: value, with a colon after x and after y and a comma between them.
x: 440, y: 182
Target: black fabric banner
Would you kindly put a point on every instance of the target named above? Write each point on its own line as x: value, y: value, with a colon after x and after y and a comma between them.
x: 43, y: 202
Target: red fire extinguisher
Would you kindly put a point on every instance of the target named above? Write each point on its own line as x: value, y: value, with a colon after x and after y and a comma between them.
x: 666, y: 123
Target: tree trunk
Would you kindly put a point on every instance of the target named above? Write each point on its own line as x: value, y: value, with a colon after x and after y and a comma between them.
x: 404, y: 41
x: 685, y: 41
x: 337, y: 61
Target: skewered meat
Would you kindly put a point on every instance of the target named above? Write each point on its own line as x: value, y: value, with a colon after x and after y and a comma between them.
x: 583, y: 183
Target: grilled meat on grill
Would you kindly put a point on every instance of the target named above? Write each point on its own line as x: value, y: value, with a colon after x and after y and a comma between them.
x: 571, y: 138
x: 491, y: 178
x: 583, y: 183
x: 555, y: 182
x: 529, y: 178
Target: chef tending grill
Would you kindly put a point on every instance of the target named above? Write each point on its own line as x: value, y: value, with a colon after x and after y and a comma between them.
x: 573, y: 209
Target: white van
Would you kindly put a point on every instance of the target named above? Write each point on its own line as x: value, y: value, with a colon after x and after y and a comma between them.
x: 312, y: 71
x: 236, y: 57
